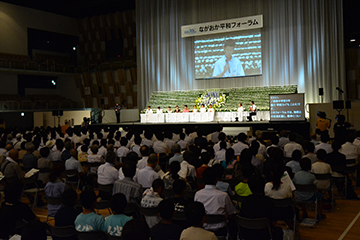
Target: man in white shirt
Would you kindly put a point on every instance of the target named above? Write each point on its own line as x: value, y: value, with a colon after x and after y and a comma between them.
x: 149, y: 110
x: 142, y: 163
x: 215, y: 202
x: 202, y: 109
x: 168, y: 138
x: 123, y: 150
x: 252, y: 109
x: 291, y: 146
x: 159, y: 110
x: 241, y: 144
x: 147, y: 140
x: 147, y: 175
x: 186, y: 169
x: 73, y: 163
x: 169, y: 110
x: 211, y: 109
x: 240, y: 108
x: 283, y: 140
x: 107, y: 173
x: 350, y: 151
x: 183, y: 144
x: 159, y: 145
x: 324, y: 144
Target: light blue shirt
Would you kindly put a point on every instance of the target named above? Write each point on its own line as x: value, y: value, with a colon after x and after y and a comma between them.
x: 177, y: 157
x: 89, y: 222
x: 114, y: 224
x: 235, y: 67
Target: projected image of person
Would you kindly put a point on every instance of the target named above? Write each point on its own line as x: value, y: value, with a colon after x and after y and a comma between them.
x: 228, y: 66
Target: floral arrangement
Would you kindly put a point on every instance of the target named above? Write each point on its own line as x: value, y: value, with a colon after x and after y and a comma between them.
x: 216, y: 99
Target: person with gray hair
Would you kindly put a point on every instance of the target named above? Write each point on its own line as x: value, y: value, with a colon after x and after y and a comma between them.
x: 176, y: 150
x: 147, y: 175
x: 29, y: 159
x: 11, y: 169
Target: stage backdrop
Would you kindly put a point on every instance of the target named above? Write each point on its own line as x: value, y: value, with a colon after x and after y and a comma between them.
x: 302, y: 44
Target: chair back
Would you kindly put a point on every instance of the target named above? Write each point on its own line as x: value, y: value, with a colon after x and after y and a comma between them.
x: 110, y: 237
x: 106, y: 188
x: 96, y: 235
x: 213, y: 219
x: 283, y: 203
x: 72, y: 172
x: 305, y: 187
x: 64, y: 232
x: 240, y: 199
x: 324, y: 176
x: 54, y: 201
x: 255, y: 224
x: 103, y: 204
x: 149, y: 211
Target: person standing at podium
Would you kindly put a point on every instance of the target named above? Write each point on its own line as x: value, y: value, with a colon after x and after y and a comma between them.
x: 117, y: 112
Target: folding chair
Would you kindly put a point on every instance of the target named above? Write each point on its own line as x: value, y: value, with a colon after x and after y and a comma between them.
x: 96, y: 235
x: 215, y: 219
x: 31, y: 188
x: 53, y: 201
x: 284, y: 203
x: 105, y: 191
x: 71, y: 174
x: 253, y: 224
x: 308, y: 188
x: 103, y: 204
x: 327, y: 176
x: 62, y: 232
x: 340, y: 179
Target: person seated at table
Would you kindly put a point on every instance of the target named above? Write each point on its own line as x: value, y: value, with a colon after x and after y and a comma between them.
x: 240, y: 108
x: 169, y: 110
x: 195, y: 109
x: 177, y: 110
x: 149, y: 110
x: 202, y: 109
x: 185, y: 110
x: 159, y: 110
x: 211, y: 109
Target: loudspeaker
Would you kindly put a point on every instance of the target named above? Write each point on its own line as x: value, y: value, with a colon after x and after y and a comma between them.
x: 348, y: 104
x: 321, y: 91
x: 338, y: 104
x: 56, y: 113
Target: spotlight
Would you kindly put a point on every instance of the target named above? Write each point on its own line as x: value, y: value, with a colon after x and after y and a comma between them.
x: 74, y: 48
x: 22, y: 114
x: 53, y: 82
x: 352, y: 40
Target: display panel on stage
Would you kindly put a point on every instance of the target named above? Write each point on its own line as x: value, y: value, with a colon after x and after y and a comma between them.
x: 287, y: 107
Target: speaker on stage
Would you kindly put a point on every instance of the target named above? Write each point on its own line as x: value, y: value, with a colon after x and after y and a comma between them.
x: 321, y: 91
x: 348, y: 104
x: 56, y: 113
x: 339, y: 104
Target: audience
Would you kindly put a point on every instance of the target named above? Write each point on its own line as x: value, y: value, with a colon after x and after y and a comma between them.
x: 152, y: 198
x: 147, y: 175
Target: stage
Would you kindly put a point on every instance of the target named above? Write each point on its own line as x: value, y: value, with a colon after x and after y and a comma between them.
x: 230, y: 128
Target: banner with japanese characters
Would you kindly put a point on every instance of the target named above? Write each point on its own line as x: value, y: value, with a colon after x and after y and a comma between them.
x: 229, y: 25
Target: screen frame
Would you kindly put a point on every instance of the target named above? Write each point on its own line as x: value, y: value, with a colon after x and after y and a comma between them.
x: 282, y: 121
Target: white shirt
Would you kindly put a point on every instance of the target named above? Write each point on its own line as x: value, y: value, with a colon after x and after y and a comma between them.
x: 239, y: 147
x: 202, y: 110
x: 216, y: 147
x: 149, y: 111
x: 211, y: 110
x: 350, y: 150
x: 187, y: 170
x: 240, y: 109
x: 107, y: 174
x: 312, y: 157
x: 95, y: 158
x: 194, y: 110
x: 183, y: 144
x: 136, y: 148
x: 235, y: 67
x: 284, y: 191
x: 220, y: 155
x: 253, y: 107
x: 102, y: 151
x: 158, y: 111
x: 290, y: 147
x: 327, y: 147
x: 147, y: 142
x: 283, y: 141
x: 161, y: 147
x: 122, y: 151
x: 169, y: 111
x: 169, y: 142
x: 142, y: 163
x: 146, y: 176
x: 215, y: 202
x: 357, y: 142
x: 321, y: 168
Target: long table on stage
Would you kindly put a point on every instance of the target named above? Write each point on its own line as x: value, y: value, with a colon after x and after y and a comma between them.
x: 201, y: 117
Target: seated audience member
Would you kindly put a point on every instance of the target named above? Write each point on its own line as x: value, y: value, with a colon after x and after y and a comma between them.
x: 168, y: 139
x: 103, y: 148
x: 176, y: 150
x: 73, y: 164
x: 257, y: 159
x: 179, y: 201
x: 351, y: 151
x: 132, y: 190
x: 133, y: 157
x: 291, y: 146
x: 88, y: 220
x: 122, y: 151
x: 325, y: 138
x: 34, y: 230
x: 294, y: 163
x: 215, y: 202
x: 313, y: 139
x: 278, y: 189
x: 171, y: 176
x: 222, y: 138
x: 152, y: 198
x: 94, y: 157
x: 205, y: 158
x: 67, y: 214
x: 136, y: 229
x: 55, y: 188
x: 65, y: 155
x: 44, y: 163
x: 13, y: 212
x: 243, y: 189
x: 136, y: 147
x: 183, y: 144
x: 82, y: 155
x: 230, y: 159
x: 336, y: 160
x: 147, y: 175
x: 114, y: 223
x: 145, y: 152
x: 186, y: 169
x: 221, y: 185
x: 274, y: 143
x: 309, y: 150
x: 22, y: 151
x: 11, y: 169
x: 107, y: 174
x: 320, y: 167
x: 55, y: 153
x: 195, y: 213
x: 165, y: 229
x: 159, y: 145
x: 220, y: 155
x: 29, y: 160
x: 283, y: 140
x: 258, y: 206
x: 147, y: 140
x: 304, y: 177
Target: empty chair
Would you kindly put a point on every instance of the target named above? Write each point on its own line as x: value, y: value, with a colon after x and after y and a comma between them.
x: 252, y: 226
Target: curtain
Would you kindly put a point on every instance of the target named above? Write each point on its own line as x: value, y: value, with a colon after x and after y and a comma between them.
x: 302, y: 44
